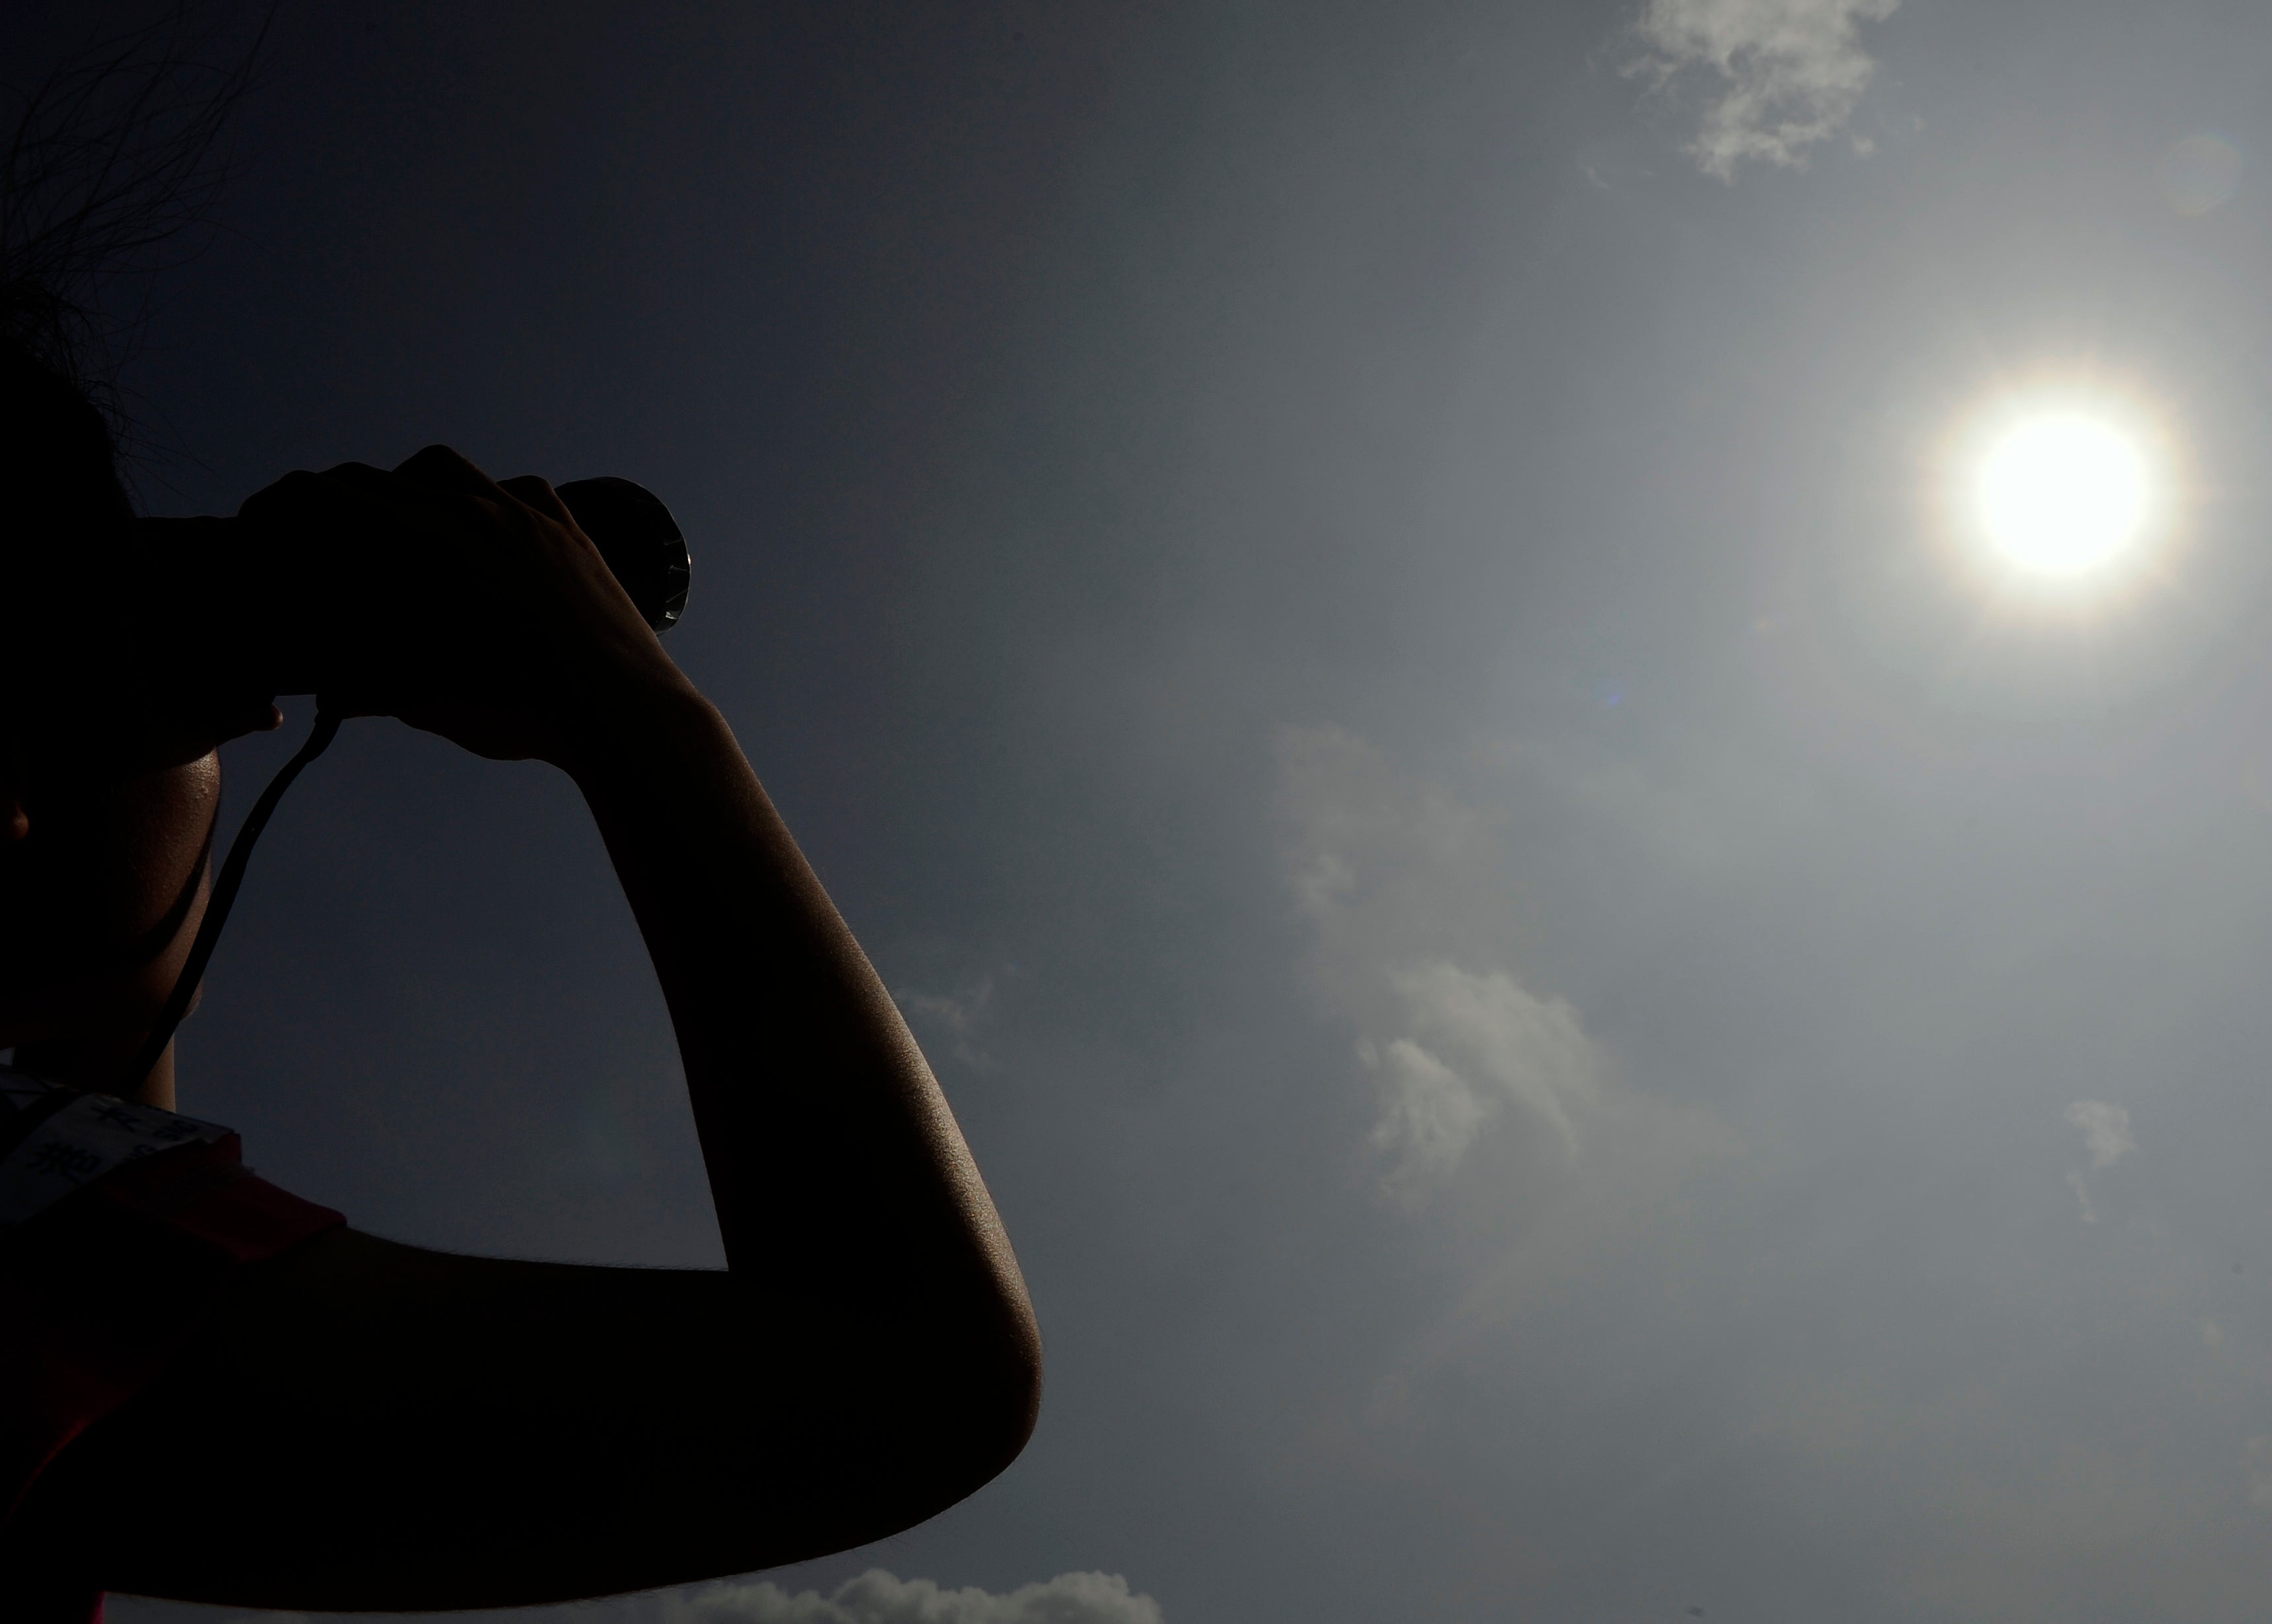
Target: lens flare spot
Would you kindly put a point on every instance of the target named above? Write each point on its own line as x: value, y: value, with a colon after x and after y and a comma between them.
x: 2064, y: 494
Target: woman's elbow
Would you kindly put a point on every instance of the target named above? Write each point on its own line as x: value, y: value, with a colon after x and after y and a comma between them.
x: 987, y: 1402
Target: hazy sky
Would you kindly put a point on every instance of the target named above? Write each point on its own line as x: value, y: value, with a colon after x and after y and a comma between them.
x: 1577, y: 1013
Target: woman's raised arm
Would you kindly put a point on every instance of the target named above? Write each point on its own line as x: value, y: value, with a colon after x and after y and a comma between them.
x: 367, y: 1424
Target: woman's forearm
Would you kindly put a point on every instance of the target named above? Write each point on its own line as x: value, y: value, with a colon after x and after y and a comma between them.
x: 838, y: 1173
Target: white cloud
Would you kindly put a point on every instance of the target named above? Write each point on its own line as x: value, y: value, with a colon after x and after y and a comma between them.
x: 1398, y: 879
x: 875, y: 1598
x: 2106, y: 1137
x: 1417, y: 936
x: 1429, y: 1115
x: 1558, y: 1204
x: 1790, y: 72
x: 1509, y: 1046
x: 2105, y: 1130
x: 1528, y: 1049
x: 878, y: 1598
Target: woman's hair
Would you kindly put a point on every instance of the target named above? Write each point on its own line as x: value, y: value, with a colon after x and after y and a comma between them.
x: 110, y: 172
x: 109, y: 175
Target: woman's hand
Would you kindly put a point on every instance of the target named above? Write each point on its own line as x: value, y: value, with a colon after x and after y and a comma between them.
x: 466, y: 608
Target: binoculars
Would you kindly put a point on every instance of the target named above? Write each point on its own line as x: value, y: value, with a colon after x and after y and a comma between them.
x: 220, y: 573
x: 222, y: 570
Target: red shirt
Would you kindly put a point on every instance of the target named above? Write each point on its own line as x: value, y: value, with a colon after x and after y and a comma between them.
x: 119, y: 1226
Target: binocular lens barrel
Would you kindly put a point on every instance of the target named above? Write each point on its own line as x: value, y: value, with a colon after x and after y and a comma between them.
x: 640, y: 542
x: 223, y: 572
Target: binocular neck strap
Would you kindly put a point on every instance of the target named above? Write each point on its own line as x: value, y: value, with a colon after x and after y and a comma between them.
x: 224, y: 897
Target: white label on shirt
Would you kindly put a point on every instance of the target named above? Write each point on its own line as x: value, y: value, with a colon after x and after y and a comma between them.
x: 83, y: 1140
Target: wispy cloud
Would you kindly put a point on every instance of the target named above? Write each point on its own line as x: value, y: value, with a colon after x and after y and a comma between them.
x: 878, y: 1598
x: 1530, y: 1049
x: 953, y: 1017
x: 2105, y: 1131
x: 874, y: 1597
x: 1789, y: 72
x: 2106, y: 1140
x: 1534, y: 1172
x: 2260, y: 1473
x: 1396, y: 879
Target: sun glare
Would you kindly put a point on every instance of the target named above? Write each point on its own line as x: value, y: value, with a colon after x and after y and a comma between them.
x: 2064, y: 494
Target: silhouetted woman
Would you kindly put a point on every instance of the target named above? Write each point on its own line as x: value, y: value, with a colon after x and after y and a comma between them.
x: 213, y: 1390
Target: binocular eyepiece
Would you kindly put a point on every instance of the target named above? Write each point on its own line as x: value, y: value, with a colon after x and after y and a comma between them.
x: 222, y: 570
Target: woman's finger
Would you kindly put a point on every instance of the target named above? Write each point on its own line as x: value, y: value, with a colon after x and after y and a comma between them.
x: 538, y: 494
x: 438, y: 468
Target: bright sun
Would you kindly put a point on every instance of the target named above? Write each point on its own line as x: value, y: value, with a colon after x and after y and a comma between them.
x: 2064, y: 494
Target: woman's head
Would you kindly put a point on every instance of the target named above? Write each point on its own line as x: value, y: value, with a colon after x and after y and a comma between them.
x: 108, y: 776
x: 108, y: 787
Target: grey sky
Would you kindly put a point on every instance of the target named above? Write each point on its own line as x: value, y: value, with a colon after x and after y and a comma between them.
x: 1571, y: 1024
